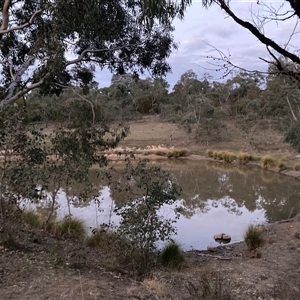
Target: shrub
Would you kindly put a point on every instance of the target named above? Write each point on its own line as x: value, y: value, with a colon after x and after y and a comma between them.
x: 244, y: 157
x: 210, y: 153
x: 171, y: 255
x: 297, y: 167
x: 267, y: 161
x: 141, y: 223
x: 293, y: 136
x: 32, y: 219
x: 253, y: 237
x: 71, y: 227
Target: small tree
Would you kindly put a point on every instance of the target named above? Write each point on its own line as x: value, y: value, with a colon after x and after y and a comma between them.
x: 147, y: 190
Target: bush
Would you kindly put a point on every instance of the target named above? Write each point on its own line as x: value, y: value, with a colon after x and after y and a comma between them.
x: 244, y: 157
x: 267, y: 161
x: 71, y: 227
x: 32, y: 219
x: 253, y: 237
x: 297, y: 167
x: 171, y: 256
x: 293, y: 136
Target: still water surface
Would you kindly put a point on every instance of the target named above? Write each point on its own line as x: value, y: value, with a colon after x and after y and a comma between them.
x: 218, y: 198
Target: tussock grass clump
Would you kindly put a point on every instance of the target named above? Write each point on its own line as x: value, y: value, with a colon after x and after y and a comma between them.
x: 254, y: 237
x: 281, y: 164
x: 220, y: 155
x: 183, y: 153
x: 71, y: 227
x: 177, y: 153
x: 210, y: 153
x: 297, y: 167
x: 215, y: 154
x: 229, y: 157
x: 32, y: 219
x: 171, y: 256
x: 210, y: 285
x: 267, y: 161
x: 170, y: 154
x: 106, y: 240
x: 244, y: 157
x: 160, y: 153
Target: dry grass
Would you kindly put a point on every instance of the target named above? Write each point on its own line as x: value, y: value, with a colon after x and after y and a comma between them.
x: 209, y: 285
x: 244, y: 157
x: 254, y: 237
x: 154, y: 288
x: 32, y: 219
x: 267, y: 161
x: 210, y: 153
x: 296, y: 167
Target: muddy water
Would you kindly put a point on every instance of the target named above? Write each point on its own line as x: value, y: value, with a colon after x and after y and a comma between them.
x: 217, y: 198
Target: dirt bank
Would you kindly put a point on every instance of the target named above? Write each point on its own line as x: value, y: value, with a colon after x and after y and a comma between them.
x: 40, y: 266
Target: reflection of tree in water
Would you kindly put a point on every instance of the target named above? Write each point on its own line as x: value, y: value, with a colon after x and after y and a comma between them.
x: 226, y: 185
x: 235, y: 187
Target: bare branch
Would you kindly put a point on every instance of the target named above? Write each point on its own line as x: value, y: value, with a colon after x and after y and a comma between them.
x: 6, y: 30
x: 262, y: 38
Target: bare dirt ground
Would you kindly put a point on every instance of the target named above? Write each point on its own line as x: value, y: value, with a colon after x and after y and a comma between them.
x: 40, y: 266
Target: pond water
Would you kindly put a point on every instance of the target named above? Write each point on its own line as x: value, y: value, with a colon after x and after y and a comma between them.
x: 218, y: 198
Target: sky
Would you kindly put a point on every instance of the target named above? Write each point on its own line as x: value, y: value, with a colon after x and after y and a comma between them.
x: 204, y: 30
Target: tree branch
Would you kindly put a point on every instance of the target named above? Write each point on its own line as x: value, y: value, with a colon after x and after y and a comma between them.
x: 4, y: 27
x: 80, y: 58
x: 5, y: 15
x: 22, y: 92
x: 262, y: 38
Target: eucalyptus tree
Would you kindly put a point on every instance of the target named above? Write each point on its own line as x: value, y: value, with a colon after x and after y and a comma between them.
x: 50, y: 44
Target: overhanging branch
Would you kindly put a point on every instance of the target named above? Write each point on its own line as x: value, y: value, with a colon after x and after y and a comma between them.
x: 262, y: 38
x: 80, y: 58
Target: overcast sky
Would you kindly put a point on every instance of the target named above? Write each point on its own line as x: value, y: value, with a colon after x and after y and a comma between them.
x: 202, y: 29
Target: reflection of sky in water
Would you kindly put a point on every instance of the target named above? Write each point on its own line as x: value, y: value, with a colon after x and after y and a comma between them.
x: 194, y: 232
